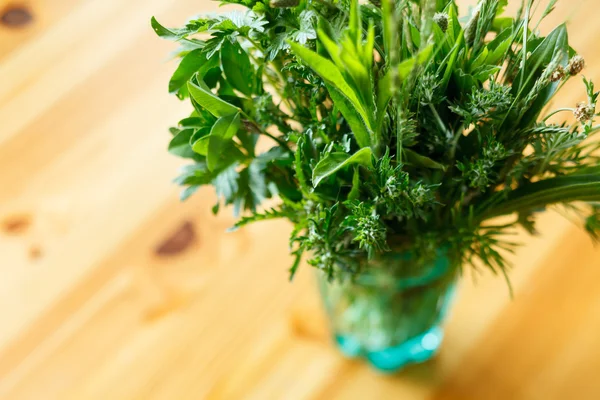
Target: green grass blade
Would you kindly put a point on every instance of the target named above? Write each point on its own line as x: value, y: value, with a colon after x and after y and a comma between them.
x: 564, y: 189
x: 358, y: 124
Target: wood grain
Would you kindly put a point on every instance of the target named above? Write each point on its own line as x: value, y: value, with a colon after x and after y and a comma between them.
x: 112, y: 289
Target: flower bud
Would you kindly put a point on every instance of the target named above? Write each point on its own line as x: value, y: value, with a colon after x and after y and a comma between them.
x: 441, y: 19
x: 576, y: 65
x: 584, y: 112
x: 558, y: 74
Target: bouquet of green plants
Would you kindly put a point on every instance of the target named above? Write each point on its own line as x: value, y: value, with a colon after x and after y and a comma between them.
x: 385, y: 126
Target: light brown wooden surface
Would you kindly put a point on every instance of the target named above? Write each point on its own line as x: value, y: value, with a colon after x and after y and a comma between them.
x: 92, y: 306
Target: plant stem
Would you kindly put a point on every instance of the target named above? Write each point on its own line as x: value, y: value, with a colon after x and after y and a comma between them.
x: 263, y: 132
x: 454, y: 143
x: 262, y: 50
x: 556, y: 112
x: 400, y: 135
x: 439, y: 120
x: 274, y: 84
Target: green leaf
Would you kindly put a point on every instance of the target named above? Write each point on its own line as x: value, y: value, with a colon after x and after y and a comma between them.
x: 369, y: 45
x: 163, y: 32
x: 355, y: 23
x: 549, y: 8
x: 214, y: 105
x: 586, y: 170
x: 220, y: 135
x: 248, y: 141
x: 204, y: 131
x: 326, y: 70
x: 484, y: 72
x: 331, y: 46
x: 499, y: 46
x: 564, y: 189
x: 299, y: 164
x: 273, y: 213
x: 257, y: 184
x: 384, y: 95
x: 180, y: 144
x: 502, y: 4
x: 253, y: 188
x: 442, y: 40
x: 501, y: 23
x: 193, y: 62
x: 195, y: 122
x: 466, y: 82
x: 455, y: 30
x: 388, y: 27
x: 556, y: 43
x: 355, y: 191
x: 415, y: 35
x: 200, y: 146
x: 359, y: 78
x: 334, y: 78
x: 555, y: 47
x: 406, y: 66
x: 355, y: 120
x: 226, y: 183
x: 333, y: 162
x: 417, y: 160
x: 480, y: 60
x: 295, y: 264
x: 237, y: 67
x: 458, y: 46
x: 194, y: 174
x: 188, y: 191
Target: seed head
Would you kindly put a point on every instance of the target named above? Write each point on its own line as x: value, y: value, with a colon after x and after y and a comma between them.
x: 558, y: 74
x: 419, y: 195
x: 441, y: 19
x: 284, y: 3
x: 576, y: 65
x: 584, y: 112
x: 494, y: 151
x: 471, y: 28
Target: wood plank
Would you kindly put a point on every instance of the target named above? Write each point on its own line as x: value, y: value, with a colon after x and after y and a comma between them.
x: 90, y: 310
x: 23, y: 21
x: 533, y: 341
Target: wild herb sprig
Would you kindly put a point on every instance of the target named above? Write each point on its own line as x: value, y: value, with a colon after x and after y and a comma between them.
x: 393, y: 125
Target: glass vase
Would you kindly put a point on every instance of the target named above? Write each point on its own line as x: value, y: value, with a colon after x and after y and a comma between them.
x: 390, y: 314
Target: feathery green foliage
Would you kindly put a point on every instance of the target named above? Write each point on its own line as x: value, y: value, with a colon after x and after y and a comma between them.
x: 393, y: 124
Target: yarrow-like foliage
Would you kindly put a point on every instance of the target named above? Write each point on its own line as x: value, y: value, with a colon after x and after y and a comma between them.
x: 393, y: 124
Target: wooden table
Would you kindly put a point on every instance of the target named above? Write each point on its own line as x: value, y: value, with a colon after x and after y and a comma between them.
x: 112, y: 289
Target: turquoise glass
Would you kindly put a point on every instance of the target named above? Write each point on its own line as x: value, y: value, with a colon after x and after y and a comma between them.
x: 391, y: 314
